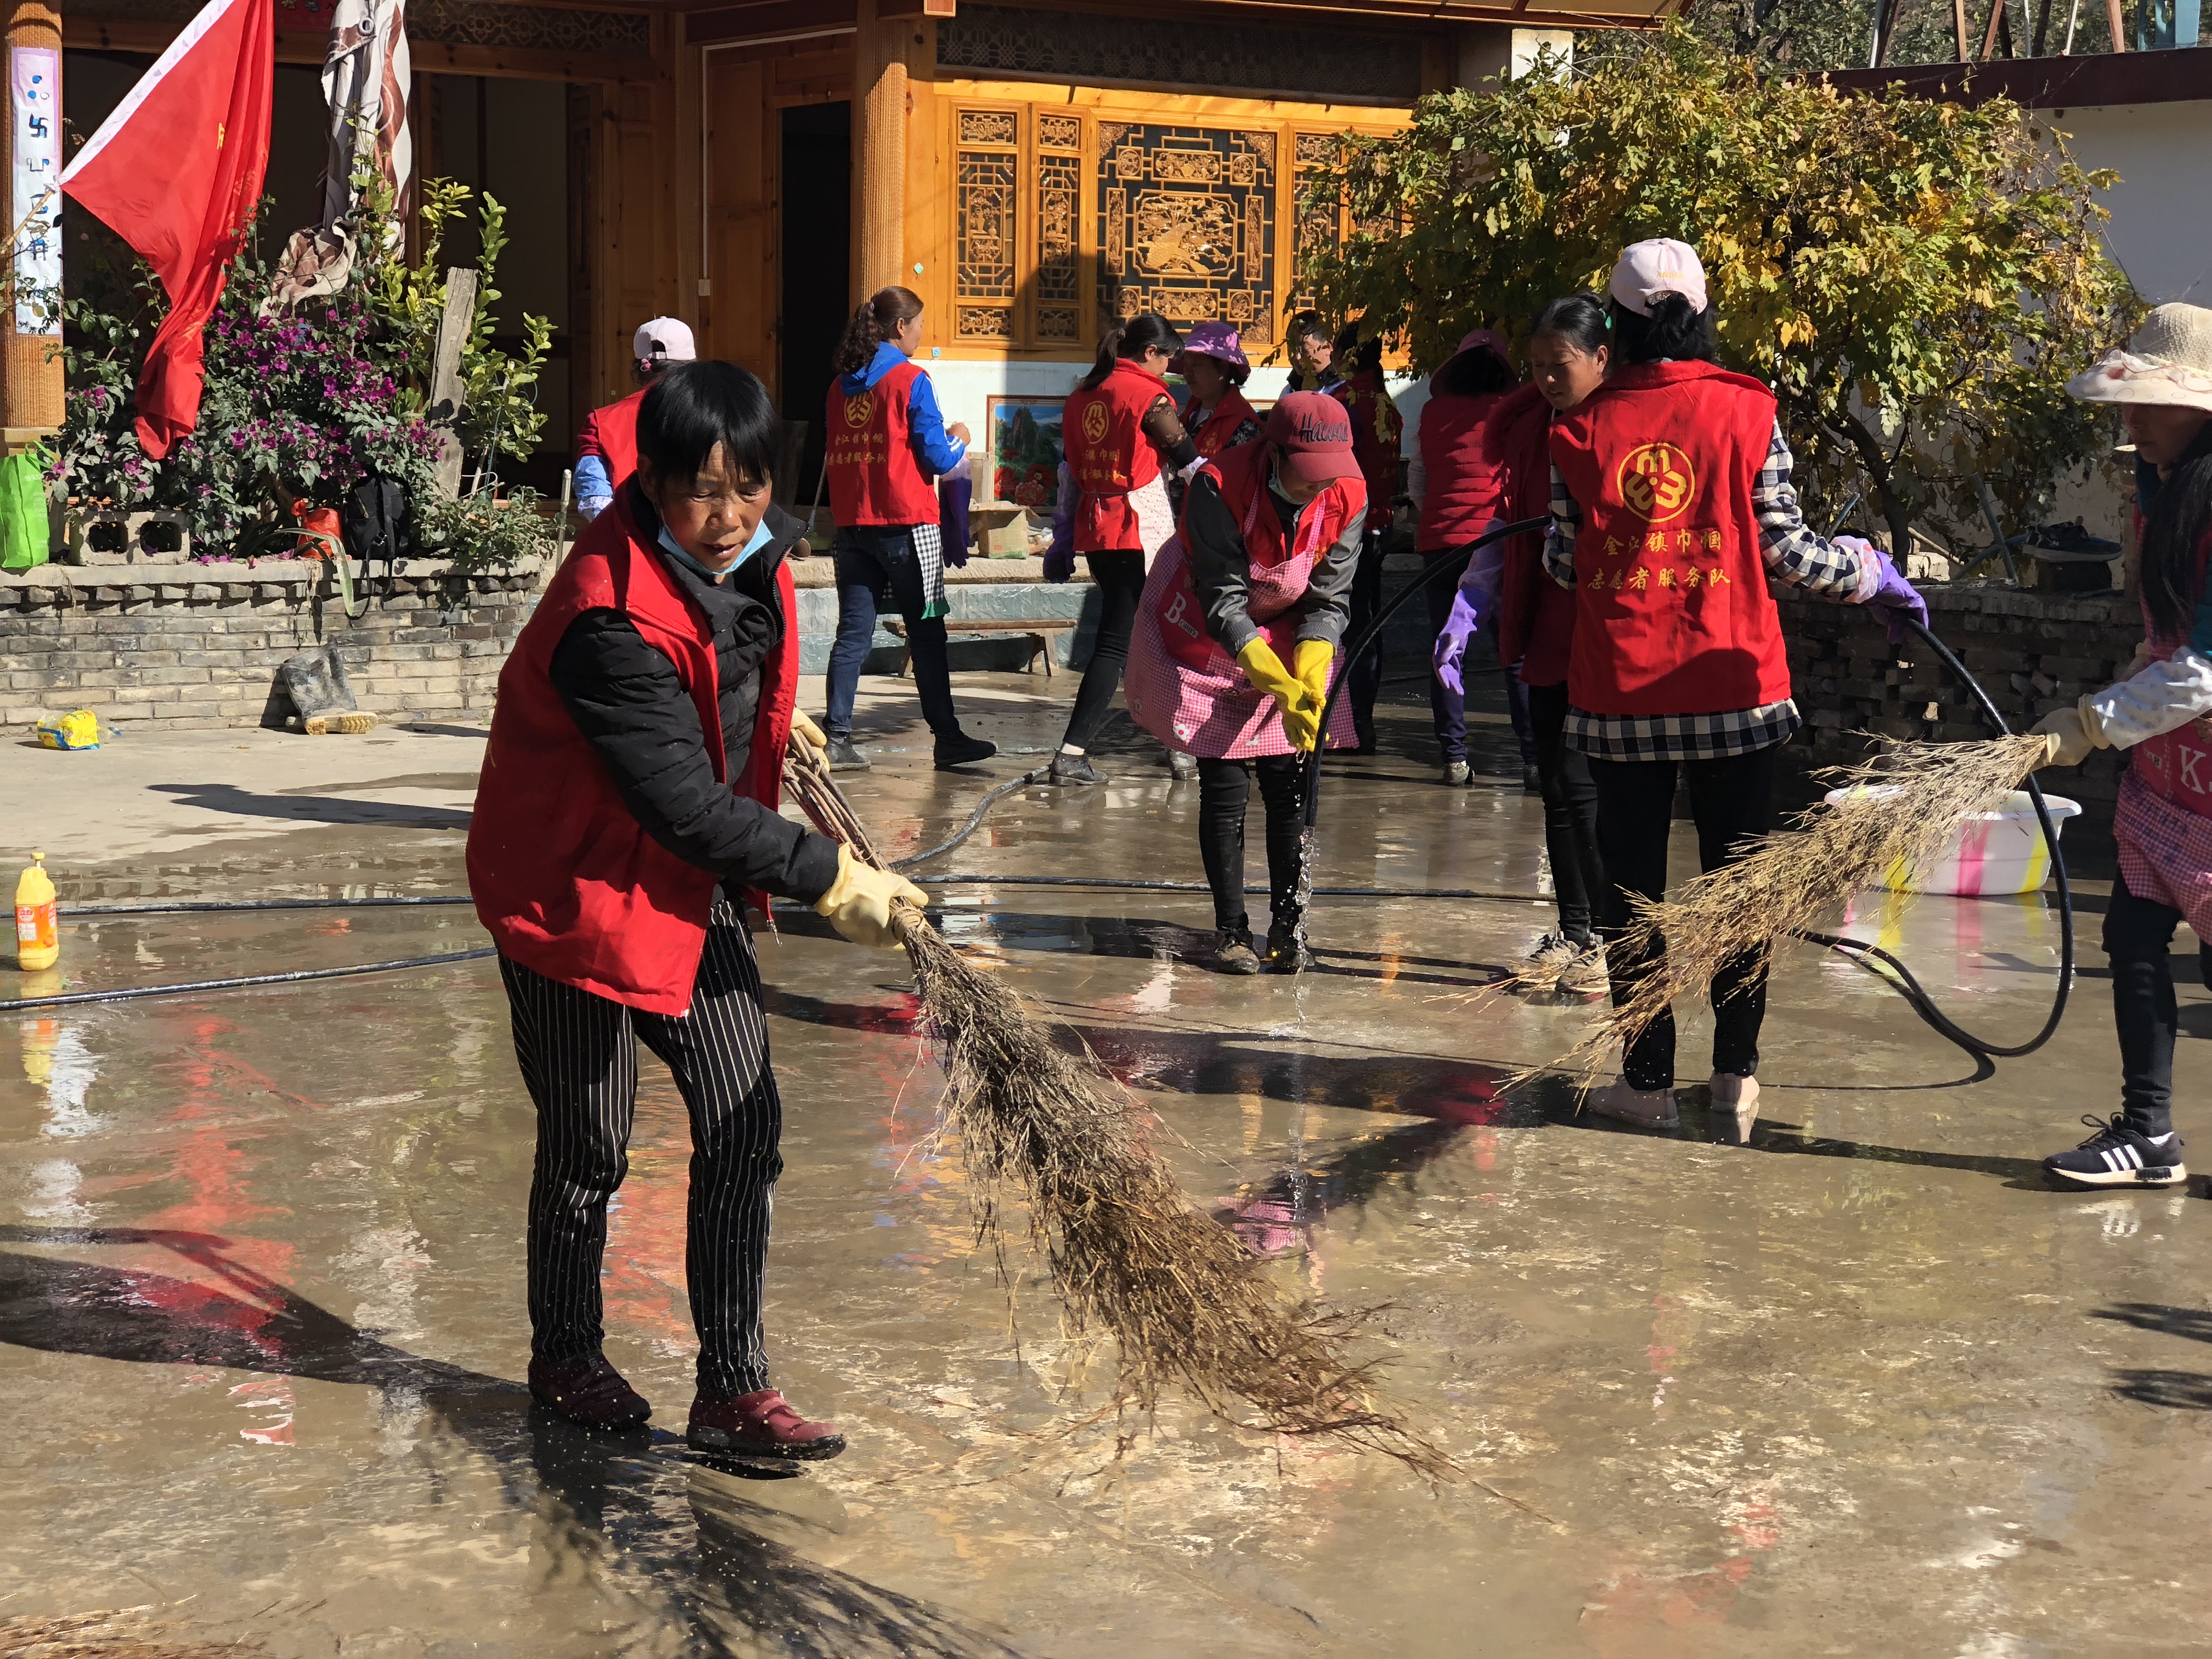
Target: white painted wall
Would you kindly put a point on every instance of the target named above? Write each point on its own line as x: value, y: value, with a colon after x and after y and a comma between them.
x: 2161, y: 232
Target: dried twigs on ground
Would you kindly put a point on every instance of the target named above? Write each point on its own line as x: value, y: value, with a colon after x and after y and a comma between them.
x: 115, y: 1634
x: 1905, y: 804
x: 1183, y: 1300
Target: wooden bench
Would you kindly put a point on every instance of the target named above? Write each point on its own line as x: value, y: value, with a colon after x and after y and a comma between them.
x: 1040, y: 632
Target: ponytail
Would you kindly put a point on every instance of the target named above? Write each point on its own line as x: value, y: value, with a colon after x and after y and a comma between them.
x: 1132, y: 340
x: 876, y: 320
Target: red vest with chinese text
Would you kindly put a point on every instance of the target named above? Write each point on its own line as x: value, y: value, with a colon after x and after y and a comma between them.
x: 2177, y: 765
x: 1108, y: 455
x: 1672, y: 614
x: 874, y: 474
x: 1211, y: 435
x: 1535, y: 615
x: 611, y: 434
x: 1374, y: 429
x: 565, y: 879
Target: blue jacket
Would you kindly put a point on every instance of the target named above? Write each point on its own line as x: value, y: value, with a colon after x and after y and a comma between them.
x: 937, y: 451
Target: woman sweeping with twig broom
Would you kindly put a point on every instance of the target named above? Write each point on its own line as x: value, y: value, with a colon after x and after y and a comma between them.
x: 2162, y: 382
x: 1672, y: 506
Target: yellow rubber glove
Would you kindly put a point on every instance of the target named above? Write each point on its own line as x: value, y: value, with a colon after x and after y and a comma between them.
x: 1311, y: 662
x: 858, y: 903
x: 803, y: 726
x: 1265, y: 670
x: 1302, y: 724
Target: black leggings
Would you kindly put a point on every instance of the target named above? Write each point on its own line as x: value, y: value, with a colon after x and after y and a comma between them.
x: 1570, y: 812
x: 1120, y: 580
x: 2138, y: 938
x: 1731, y: 801
x: 1224, y: 789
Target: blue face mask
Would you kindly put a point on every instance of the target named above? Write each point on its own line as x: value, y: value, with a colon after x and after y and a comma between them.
x: 762, y: 538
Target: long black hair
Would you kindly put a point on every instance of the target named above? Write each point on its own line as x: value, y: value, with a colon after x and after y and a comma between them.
x: 691, y: 407
x: 1133, y: 339
x: 2179, y: 516
x: 878, y: 319
x: 1580, y: 319
x: 1473, y: 373
x: 1675, y: 329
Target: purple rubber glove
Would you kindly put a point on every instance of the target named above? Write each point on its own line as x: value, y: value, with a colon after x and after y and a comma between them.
x: 1889, y: 593
x: 1060, y: 557
x: 1477, y: 597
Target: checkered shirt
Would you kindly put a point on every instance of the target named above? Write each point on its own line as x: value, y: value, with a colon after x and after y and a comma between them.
x: 1793, y: 556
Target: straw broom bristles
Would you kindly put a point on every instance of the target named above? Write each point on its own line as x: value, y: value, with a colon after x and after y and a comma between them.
x: 1907, y: 802
x: 1183, y: 1300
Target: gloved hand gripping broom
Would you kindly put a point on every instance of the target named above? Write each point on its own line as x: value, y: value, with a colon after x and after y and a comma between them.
x: 1183, y: 1298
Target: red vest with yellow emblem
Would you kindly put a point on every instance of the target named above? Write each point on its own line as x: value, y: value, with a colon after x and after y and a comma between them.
x: 1108, y: 455
x: 874, y: 476
x: 1672, y: 614
x: 565, y: 879
x: 1211, y: 435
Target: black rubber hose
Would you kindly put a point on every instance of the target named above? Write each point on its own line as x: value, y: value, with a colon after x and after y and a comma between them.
x: 975, y: 819
x: 1202, y: 887
x: 135, y: 992
x: 1366, y: 636
x: 179, y: 907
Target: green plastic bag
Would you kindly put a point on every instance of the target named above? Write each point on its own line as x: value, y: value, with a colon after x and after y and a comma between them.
x: 24, y: 531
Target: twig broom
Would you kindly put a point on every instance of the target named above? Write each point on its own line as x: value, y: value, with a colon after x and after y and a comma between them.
x: 1182, y: 1298
x: 1897, y: 811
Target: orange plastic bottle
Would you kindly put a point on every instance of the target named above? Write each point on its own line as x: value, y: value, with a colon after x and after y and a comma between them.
x: 38, y: 924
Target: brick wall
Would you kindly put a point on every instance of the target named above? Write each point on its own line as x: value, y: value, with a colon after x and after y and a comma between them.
x: 198, y: 646
x: 2032, y: 652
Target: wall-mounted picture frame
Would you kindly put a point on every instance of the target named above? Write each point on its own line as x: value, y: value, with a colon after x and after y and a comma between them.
x: 1023, y: 450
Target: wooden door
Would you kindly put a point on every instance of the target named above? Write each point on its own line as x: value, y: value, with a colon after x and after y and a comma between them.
x: 740, y: 306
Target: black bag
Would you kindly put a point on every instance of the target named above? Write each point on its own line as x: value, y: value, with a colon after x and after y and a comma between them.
x: 373, y: 521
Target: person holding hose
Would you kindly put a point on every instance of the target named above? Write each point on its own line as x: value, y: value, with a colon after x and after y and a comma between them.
x: 627, y: 806
x: 2160, y: 711
x: 886, y: 444
x: 1508, y: 479
x: 1671, y: 509
x: 1240, y: 620
x: 1118, y: 425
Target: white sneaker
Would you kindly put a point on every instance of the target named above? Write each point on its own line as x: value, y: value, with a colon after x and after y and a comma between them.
x: 1648, y: 1109
x: 1553, y: 950
x: 1587, y: 974
x: 1735, y: 1100
x: 1456, y: 773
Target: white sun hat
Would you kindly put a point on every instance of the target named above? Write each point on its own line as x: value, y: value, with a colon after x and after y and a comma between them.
x: 2168, y: 362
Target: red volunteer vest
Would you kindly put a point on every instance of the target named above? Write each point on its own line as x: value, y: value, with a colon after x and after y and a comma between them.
x: 1211, y: 436
x: 565, y: 879
x: 1462, y: 491
x: 1108, y: 455
x: 611, y: 434
x: 1672, y: 614
x: 1535, y: 615
x: 2177, y: 765
x: 875, y: 477
x: 1374, y: 428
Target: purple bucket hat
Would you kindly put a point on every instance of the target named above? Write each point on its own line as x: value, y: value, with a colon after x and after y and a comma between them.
x: 1217, y: 340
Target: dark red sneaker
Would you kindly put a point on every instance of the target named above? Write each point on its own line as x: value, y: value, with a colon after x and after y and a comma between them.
x: 761, y: 1424
x: 588, y: 1391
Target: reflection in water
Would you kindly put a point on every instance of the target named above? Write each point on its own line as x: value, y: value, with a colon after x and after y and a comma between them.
x: 628, y: 1510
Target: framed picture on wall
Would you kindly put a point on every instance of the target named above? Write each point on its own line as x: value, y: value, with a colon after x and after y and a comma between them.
x: 1023, y: 450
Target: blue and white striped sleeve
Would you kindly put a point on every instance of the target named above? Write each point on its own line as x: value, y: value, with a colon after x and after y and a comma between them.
x: 1793, y: 554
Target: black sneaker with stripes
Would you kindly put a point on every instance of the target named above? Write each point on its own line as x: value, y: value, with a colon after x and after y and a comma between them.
x: 2118, y: 1155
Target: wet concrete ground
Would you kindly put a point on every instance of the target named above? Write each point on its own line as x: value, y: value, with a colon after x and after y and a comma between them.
x: 1865, y: 1387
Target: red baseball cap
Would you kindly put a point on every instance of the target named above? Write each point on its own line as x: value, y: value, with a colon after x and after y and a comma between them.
x: 1312, y: 432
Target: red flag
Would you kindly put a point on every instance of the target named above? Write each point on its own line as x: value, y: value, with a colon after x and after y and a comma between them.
x: 176, y: 173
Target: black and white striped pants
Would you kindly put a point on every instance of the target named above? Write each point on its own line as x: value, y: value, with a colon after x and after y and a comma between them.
x: 578, y: 1053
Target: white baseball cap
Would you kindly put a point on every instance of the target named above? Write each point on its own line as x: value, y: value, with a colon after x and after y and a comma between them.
x: 665, y: 338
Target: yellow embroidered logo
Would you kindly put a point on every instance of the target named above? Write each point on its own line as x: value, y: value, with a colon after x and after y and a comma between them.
x: 1656, y: 482
x: 1094, y: 423
x: 857, y: 410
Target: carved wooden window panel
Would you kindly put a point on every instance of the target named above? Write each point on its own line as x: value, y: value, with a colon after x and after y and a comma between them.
x: 986, y: 187
x: 1186, y: 224
x: 1020, y: 279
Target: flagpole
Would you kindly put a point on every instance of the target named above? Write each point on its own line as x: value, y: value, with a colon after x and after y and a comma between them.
x: 31, y: 379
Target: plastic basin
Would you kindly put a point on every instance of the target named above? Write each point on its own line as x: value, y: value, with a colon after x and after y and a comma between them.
x: 1993, y: 854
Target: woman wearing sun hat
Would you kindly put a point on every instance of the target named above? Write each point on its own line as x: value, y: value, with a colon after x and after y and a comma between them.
x: 2160, y: 710
x: 1671, y: 509
x: 1212, y: 363
x: 1241, y: 619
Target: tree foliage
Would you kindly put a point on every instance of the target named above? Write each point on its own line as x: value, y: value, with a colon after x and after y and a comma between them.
x: 1916, y: 280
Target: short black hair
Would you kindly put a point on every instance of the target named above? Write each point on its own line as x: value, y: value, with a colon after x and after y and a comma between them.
x: 694, y: 406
